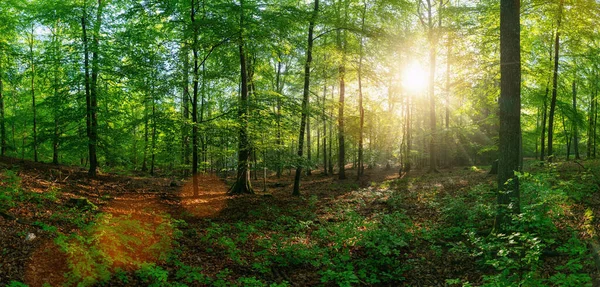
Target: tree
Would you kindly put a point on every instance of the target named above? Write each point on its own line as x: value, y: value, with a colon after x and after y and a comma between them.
x: 554, y: 82
x: 509, y: 148
x: 242, y: 184
x: 305, y: 96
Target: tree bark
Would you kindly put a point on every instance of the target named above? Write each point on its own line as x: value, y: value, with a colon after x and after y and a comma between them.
x: 324, y: 129
x: 185, y: 106
x: 360, y: 170
x: 554, y: 83
x: 510, y: 114
x: 35, y: 143
x: 575, y: 131
x: 194, y: 99
x: 2, y: 118
x: 243, y: 184
x: 305, y: 97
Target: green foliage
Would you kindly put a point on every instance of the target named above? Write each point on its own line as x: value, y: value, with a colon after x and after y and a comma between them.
x: 152, y: 275
x: 516, y: 255
x: 16, y: 284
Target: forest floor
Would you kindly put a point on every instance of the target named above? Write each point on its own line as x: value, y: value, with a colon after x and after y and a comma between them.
x: 416, y: 230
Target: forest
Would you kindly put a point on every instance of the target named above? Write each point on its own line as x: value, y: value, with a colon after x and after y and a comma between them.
x: 299, y: 143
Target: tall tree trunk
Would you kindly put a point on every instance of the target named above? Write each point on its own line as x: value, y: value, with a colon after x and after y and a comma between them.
x: 432, y: 62
x: 408, y: 128
x: 279, y: 89
x: 567, y: 135
x: 203, y: 137
x: 447, y: 104
x: 146, y: 135
x: 360, y: 170
x: 324, y: 128
x: 153, y: 147
x: 575, y: 131
x: 93, y: 98
x: 308, y: 141
x: 2, y: 118
x: 305, y: 96
x: 590, y: 125
x: 544, y: 118
x: 195, y: 100
x: 185, y: 106
x: 330, y: 161
x: 86, y: 66
x: 56, y: 135
x: 554, y: 83
x: 243, y: 184
x: 32, y: 59
x: 509, y: 148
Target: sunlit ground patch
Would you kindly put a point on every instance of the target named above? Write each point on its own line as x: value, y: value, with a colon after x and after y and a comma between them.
x: 209, y: 198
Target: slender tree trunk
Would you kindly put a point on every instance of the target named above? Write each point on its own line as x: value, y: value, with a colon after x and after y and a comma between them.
x: 590, y: 124
x: 146, y: 135
x: 575, y: 131
x: 185, y: 106
x: 330, y: 161
x: 86, y: 65
x: 324, y: 128
x: 360, y: 170
x: 195, y: 100
x: 203, y: 137
x: 431, y: 86
x: 279, y: 89
x: 56, y: 109
x: 243, y: 184
x: 447, y: 104
x: 544, y: 118
x: 32, y: 59
x: 554, y: 83
x: 153, y: 148
x: 2, y: 118
x: 510, y: 114
x: 407, y: 164
x: 308, y: 141
x: 91, y: 86
x: 305, y: 96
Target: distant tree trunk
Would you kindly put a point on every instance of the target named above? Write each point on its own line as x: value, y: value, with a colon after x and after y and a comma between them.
x: 146, y: 135
x: 330, y: 161
x: 509, y: 148
x: 590, y: 125
x: 243, y: 184
x: 593, y: 110
x: 86, y: 65
x: 32, y: 63
x: 203, y: 137
x: 305, y: 97
x: 360, y: 170
x: 195, y: 100
x: 2, y: 118
x: 56, y: 135
x: 447, y: 104
x: 324, y: 129
x: 408, y: 127
x: 595, y: 116
x: 308, y: 141
x: 544, y: 118
x: 575, y: 131
x: 185, y: 106
x: 93, y: 88
x: 432, y: 120
x: 153, y: 148
x: 554, y: 83
x: 279, y: 90
x: 567, y: 135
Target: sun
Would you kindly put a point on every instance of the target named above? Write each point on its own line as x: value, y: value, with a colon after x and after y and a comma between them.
x: 414, y: 78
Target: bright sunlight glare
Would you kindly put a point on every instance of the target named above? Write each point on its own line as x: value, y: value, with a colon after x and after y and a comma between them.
x: 414, y: 78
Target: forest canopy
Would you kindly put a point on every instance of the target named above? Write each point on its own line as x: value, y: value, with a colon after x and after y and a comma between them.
x: 176, y: 86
